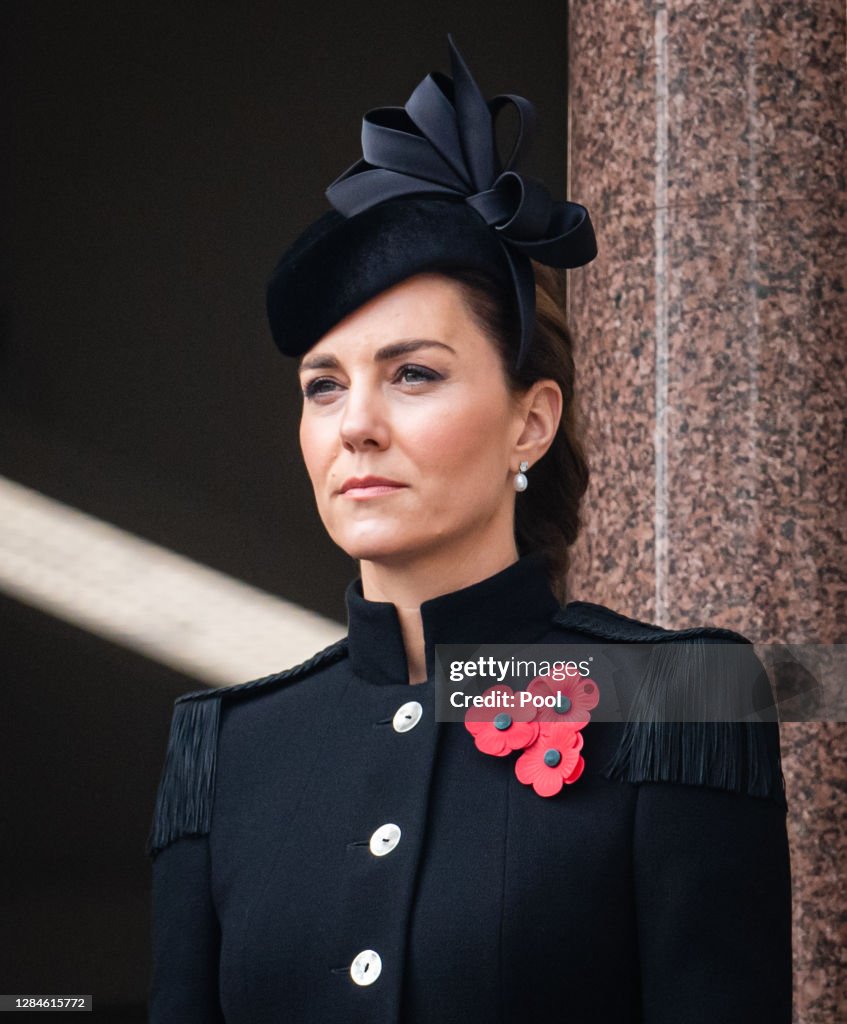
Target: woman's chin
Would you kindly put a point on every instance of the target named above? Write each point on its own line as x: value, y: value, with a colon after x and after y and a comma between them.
x: 376, y: 550
x: 381, y: 545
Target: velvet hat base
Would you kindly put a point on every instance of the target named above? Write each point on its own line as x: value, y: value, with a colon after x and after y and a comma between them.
x: 338, y: 263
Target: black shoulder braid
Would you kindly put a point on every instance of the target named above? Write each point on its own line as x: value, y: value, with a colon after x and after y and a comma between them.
x: 186, y: 788
x: 609, y: 625
x: 740, y: 756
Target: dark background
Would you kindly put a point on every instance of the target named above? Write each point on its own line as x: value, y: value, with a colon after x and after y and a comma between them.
x: 158, y: 159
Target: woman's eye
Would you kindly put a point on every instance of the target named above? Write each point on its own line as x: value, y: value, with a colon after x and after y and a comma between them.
x: 412, y: 374
x: 318, y: 386
x: 407, y: 374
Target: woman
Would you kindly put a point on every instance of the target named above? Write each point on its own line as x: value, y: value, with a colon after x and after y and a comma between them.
x: 325, y: 847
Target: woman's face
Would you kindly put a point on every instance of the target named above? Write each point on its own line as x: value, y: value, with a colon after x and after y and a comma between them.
x: 408, y: 389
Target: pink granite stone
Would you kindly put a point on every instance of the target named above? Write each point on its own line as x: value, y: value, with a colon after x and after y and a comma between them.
x: 708, y: 144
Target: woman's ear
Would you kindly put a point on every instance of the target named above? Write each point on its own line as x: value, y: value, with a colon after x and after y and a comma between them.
x: 540, y: 413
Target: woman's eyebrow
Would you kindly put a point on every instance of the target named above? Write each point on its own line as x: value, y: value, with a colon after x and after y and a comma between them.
x: 396, y: 348
x: 400, y: 348
x: 326, y: 362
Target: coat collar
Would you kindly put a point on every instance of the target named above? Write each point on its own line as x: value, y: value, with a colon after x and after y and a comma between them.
x: 514, y: 605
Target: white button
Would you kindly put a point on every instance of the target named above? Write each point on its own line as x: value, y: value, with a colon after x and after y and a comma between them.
x: 407, y: 716
x: 384, y: 839
x: 366, y: 967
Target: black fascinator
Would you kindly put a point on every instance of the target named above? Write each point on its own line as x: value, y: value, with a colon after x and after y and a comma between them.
x: 429, y: 192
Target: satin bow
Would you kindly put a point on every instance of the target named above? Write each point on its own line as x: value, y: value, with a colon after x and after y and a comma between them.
x: 443, y: 142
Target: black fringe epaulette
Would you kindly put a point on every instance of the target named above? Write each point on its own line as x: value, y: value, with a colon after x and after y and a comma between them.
x: 186, y: 788
x: 740, y: 756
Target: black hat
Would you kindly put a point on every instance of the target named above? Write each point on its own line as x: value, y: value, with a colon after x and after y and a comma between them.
x: 429, y: 193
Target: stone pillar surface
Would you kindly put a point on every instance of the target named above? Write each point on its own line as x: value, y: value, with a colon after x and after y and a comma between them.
x: 708, y: 140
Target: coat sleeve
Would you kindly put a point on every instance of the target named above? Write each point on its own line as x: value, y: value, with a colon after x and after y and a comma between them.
x: 713, y: 905
x: 711, y: 861
x: 186, y: 937
x: 186, y: 934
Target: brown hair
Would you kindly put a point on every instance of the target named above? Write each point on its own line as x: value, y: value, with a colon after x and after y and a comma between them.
x: 547, y: 514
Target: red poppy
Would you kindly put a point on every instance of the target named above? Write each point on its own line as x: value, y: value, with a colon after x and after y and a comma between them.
x: 575, y: 698
x: 553, y: 759
x: 504, y: 726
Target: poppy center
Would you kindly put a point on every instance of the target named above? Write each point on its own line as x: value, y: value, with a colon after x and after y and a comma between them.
x: 502, y: 721
x: 552, y: 757
x: 563, y: 704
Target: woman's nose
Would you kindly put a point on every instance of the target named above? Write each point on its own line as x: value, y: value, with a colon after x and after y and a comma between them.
x: 363, y: 422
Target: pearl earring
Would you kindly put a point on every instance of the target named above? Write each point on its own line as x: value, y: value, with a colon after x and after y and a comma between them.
x: 521, y: 481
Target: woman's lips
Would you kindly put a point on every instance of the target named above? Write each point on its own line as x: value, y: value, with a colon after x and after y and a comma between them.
x: 369, y: 485
x: 371, y: 491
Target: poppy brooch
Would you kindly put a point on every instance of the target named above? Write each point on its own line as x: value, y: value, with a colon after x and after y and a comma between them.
x: 543, y: 722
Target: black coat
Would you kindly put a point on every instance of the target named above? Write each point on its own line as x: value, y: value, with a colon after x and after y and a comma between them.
x: 622, y: 899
